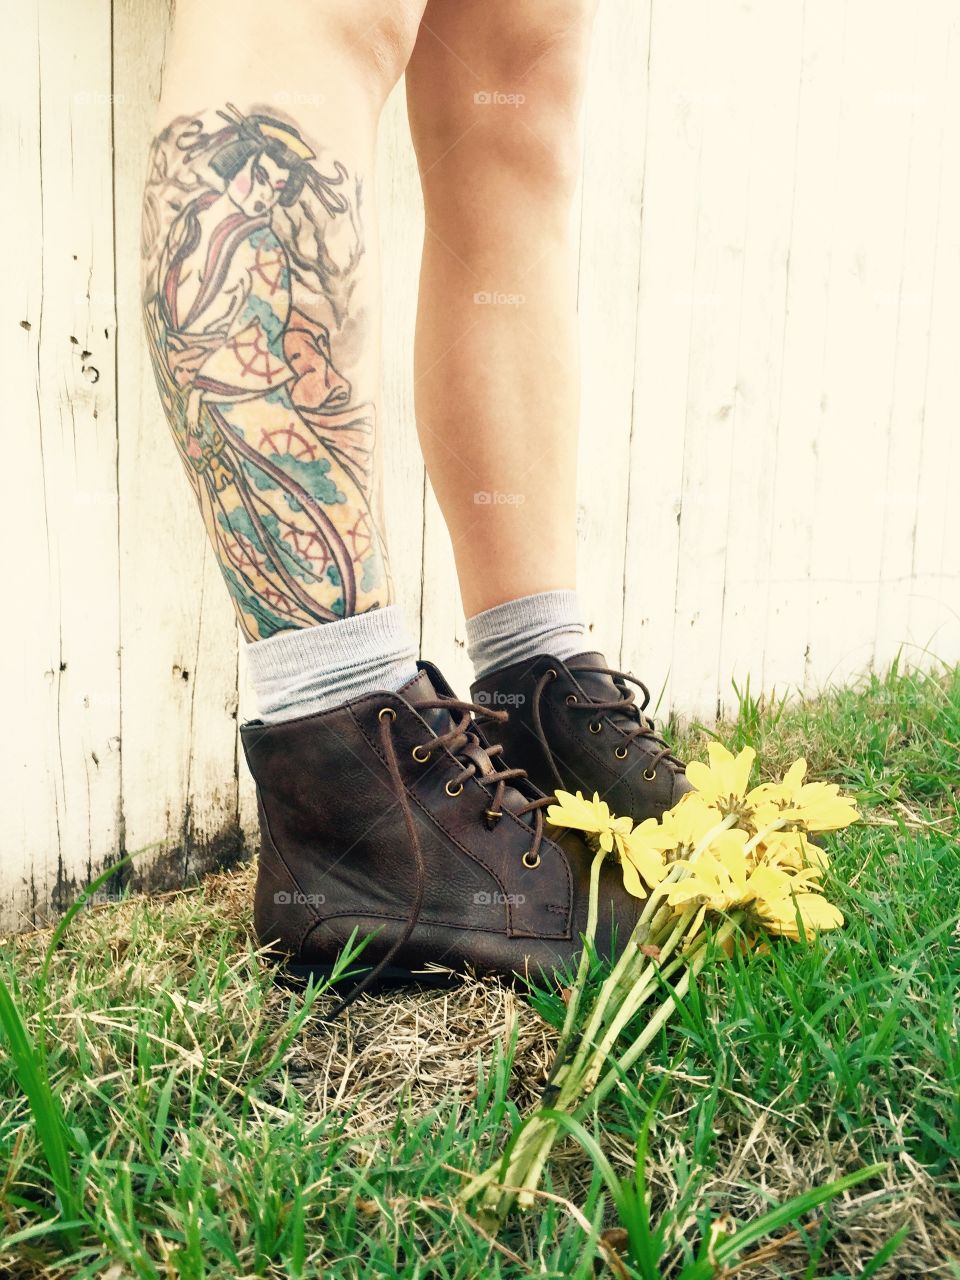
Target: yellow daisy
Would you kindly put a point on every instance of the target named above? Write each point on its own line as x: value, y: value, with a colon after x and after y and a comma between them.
x: 780, y: 915
x: 792, y: 851
x: 592, y: 816
x: 642, y: 862
x: 812, y: 806
x: 723, y: 782
x: 723, y: 877
x: 681, y: 829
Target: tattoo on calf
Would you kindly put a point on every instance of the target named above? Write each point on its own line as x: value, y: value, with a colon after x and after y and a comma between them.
x: 251, y: 319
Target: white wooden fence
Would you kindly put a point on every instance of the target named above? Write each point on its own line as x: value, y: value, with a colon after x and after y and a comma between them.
x: 769, y: 224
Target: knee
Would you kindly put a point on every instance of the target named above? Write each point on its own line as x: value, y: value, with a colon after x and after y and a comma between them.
x: 519, y: 109
x: 550, y: 76
x: 544, y: 54
x: 377, y: 36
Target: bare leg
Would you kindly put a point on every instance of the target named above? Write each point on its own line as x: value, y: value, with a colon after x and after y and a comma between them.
x: 494, y: 90
x: 261, y: 292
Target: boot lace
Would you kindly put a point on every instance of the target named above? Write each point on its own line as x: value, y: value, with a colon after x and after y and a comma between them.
x: 641, y: 728
x: 460, y: 738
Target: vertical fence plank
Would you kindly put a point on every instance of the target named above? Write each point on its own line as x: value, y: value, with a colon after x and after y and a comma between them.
x: 769, y: 82
x: 925, y: 95
x: 179, y: 663
x: 714, y: 304
x: 30, y: 649
x: 63, y: 274
x: 867, y: 241
x: 934, y: 586
x: 610, y: 225
x: 673, y: 123
x: 801, y: 406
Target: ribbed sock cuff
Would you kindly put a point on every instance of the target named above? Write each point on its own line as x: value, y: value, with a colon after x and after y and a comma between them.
x: 297, y: 673
x: 548, y: 622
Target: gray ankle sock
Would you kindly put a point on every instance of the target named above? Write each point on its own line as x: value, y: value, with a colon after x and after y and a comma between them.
x: 296, y: 673
x: 549, y: 622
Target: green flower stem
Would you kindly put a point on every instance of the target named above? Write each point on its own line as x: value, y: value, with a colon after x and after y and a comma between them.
x: 695, y: 961
x: 621, y: 979
x: 577, y: 1077
x: 640, y: 934
x: 576, y: 1084
x: 648, y: 933
x: 478, y: 1183
x: 575, y: 995
x: 655, y: 971
x: 528, y: 1178
x: 535, y: 1136
x: 580, y: 1091
x: 492, y: 1174
x: 636, y: 985
x: 533, y: 1147
x: 584, y: 1090
x: 643, y: 980
x: 523, y: 1170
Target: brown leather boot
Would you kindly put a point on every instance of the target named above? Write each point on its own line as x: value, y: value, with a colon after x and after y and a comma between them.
x: 391, y: 815
x: 576, y: 725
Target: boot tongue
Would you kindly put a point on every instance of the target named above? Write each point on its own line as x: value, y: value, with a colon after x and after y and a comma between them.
x: 598, y: 686
x: 421, y: 690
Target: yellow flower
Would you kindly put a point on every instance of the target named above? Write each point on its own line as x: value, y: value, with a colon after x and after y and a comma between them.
x: 791, y: 803
x: 723, y: 877
x: 792, y: 851
x: 642, y: 862
x: 592, y: 816
x: 812, y: 806
x: 723, y: 782
x: 780, y: 916
x: 638, y: 853
x: 681, y: 829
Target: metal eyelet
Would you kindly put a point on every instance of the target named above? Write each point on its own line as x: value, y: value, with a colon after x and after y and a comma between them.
x: 493, y: 814
x: 649, y: 774
x: 571, y: 699
x: 530, y: 862
x: 621, y: 753
x: 596, y: 726
x: 421, y: 754
x: 453, y: 790
x: 386, y: 711
x: 551, y: 674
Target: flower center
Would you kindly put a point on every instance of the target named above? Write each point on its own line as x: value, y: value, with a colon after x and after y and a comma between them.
x: 735, y: 805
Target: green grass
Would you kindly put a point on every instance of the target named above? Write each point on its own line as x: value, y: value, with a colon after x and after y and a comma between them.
x: 215, y: 1125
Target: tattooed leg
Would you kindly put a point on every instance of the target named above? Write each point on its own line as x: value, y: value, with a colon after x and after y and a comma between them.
x: 493, y: 89
x: 261, y: 293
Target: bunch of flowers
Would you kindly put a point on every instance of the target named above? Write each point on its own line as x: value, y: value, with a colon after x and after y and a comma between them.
x: 726, y: 862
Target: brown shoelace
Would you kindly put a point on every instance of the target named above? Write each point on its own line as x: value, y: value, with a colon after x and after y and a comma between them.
x: 455, y: 740
x: 642, y: 728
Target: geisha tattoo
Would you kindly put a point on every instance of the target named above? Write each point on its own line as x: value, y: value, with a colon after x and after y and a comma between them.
x: 250, y: 325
